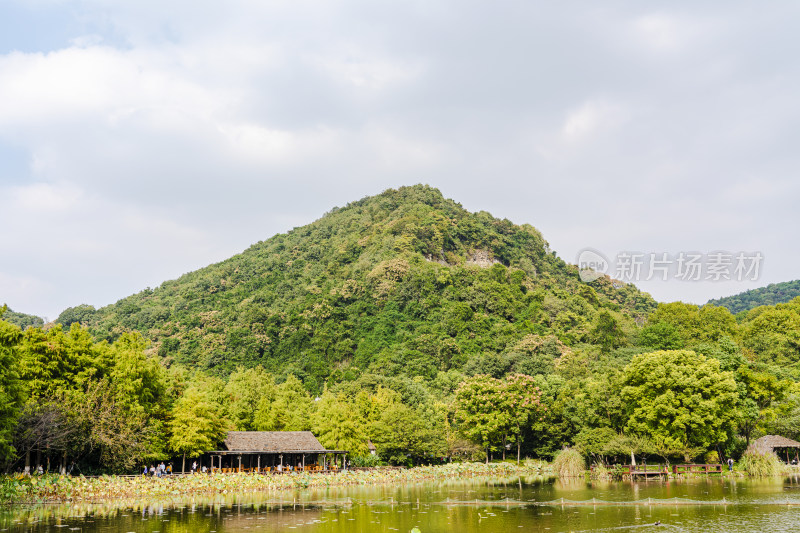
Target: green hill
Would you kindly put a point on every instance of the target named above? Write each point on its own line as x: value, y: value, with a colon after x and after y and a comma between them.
x: 405, y: 282
x: 775, y: 293
x: 21, y: 320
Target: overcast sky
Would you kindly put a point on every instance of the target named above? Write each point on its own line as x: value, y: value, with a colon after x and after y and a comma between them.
x: 143, y: 139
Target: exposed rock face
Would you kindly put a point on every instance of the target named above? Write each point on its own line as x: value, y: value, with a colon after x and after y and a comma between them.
x: 440, y: 259
x: 481, y: 258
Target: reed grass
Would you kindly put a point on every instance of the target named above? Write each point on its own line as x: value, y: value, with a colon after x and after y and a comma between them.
x: 760, y: 462
x: 569, y: 463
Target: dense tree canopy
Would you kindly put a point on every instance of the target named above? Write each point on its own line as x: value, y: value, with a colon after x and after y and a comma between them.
x: 11, y: 387
x: 405, y: 321
x: 679, y: 399
x: 774, y: 293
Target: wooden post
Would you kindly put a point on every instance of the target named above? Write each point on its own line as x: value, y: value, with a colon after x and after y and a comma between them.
x: 259, y: 463
x: 240, y: 464
x: 304, y: 462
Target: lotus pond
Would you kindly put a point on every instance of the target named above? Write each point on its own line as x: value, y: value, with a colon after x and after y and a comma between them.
x: 485, y: 505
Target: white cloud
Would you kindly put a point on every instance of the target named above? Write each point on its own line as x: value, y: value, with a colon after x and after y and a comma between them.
x: 590, y: 119
x: 169, y: 135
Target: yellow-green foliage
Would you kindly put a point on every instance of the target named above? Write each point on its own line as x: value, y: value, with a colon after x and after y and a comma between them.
x: 568, y: 463
x: 758, y: 461
x: 52, y: 488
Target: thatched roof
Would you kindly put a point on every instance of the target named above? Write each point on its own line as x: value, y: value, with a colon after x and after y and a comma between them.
x: 775, y: 441
x: 273, y: 441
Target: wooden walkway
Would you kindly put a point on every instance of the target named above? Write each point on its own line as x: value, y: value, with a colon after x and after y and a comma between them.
x: 645, y: 471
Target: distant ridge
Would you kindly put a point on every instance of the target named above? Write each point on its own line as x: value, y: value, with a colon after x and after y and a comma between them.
x: 774, y: 293
x: 21, y: 320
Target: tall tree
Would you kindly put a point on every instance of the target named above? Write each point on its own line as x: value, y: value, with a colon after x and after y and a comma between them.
x: 243, y: 392
x: 479, y: 412
x: 521, y: 399
x: 680, y: 399
x: 290, y: 410
x: 11, y: 387
x: 337, y: 425
x: 197, y: 423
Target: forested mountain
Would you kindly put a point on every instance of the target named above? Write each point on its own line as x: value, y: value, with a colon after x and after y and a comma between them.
x: 774, y: 293
x: 403, y: 282
x: 404, y: 320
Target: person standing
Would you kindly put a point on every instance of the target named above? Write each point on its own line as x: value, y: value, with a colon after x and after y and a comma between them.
x: 194, y: 467
x: 730, y: 464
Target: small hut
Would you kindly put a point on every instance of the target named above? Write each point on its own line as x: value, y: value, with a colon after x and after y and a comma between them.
x: 779, y: 445
x: 274, y: 451
x: 372, y: 449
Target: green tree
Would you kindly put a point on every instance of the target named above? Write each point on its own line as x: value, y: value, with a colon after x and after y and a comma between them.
x: 243, y: 392
x: 11, y: 387
x: 660, y: 336
x: 337, y: 425
x: 521, y: 399
x: 595, y: 441
x: 760, y: 396
x: 197, y: 423
x: 607, y: 331
x: 290, y: 410
x: 680, y: 399
x: 403, y: 437
x: 139, y: 380
x: 479, y: 412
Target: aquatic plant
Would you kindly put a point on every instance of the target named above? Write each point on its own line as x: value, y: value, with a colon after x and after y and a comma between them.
x: 759, y: 461
x: 55, y: 488
x: 568, y: 463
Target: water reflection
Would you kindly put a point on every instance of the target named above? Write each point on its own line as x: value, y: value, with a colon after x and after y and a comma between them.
x: 536, y: 504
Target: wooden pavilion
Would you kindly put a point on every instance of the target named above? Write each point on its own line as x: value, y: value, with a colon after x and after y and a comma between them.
x: 275, y: 451
x: 776, y: 443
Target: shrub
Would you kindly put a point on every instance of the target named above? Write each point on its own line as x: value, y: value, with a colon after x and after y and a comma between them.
x: 367, y: 460
x: 758, y: 461
x: 534, y: 464
x: 568, y: 463
x: 712, y: 458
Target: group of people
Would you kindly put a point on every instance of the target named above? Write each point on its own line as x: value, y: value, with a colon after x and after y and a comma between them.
x: 158, y: 470
x: 203, y: 469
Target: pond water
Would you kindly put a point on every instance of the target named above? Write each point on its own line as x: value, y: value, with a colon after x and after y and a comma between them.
x: 697, y: 505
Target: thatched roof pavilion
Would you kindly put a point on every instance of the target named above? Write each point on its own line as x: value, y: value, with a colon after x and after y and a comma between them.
x: 295, y: 449
x: 273, y: 442
x: 776, y: 442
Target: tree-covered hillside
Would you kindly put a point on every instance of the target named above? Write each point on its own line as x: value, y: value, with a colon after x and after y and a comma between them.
x: 21, y: 320
x: 774, y: 293
x: 405, y: 321
x: 403, y: 282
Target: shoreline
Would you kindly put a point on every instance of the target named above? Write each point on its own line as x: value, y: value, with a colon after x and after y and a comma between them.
x: 55, y: 489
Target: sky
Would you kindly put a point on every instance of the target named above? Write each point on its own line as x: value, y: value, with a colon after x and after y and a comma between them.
x: 142, y: 139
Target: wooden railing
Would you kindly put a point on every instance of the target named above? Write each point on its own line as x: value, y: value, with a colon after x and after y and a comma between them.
x: 660, y: 469
x: 697, y: 469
